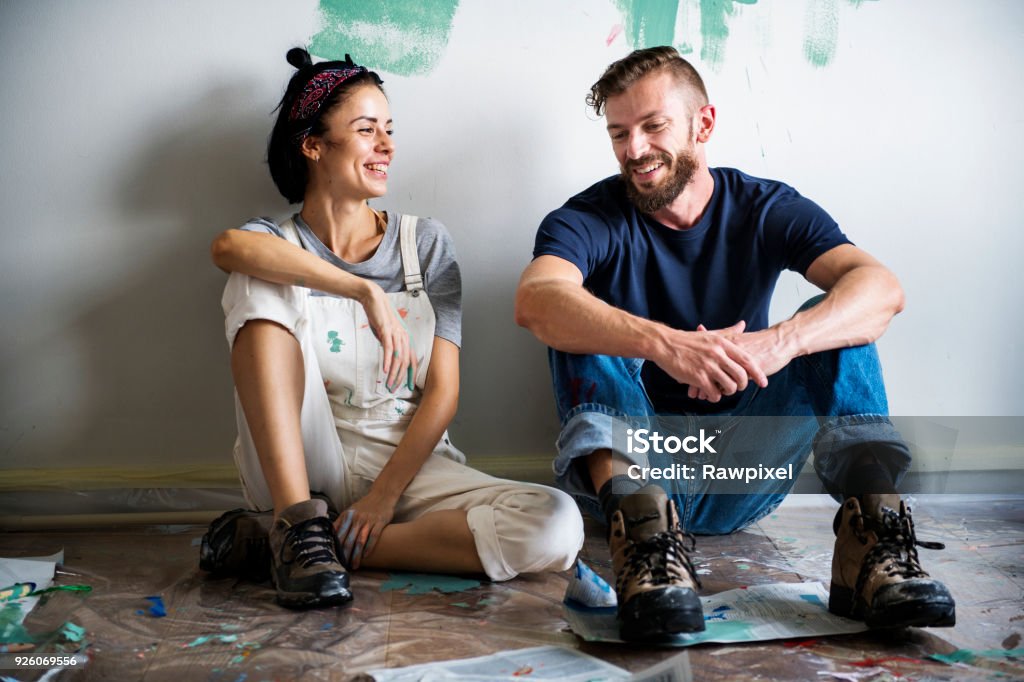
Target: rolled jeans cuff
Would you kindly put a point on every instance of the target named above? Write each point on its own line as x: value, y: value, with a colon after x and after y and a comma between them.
x: 841, y: 440
x: 589, y: 427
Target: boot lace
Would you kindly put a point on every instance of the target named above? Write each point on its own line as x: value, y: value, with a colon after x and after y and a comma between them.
x: 896, y: 549
x: 659, y: 560
x: 311, y: 541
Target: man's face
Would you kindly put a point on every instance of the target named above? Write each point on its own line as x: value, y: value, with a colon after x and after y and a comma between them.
x: 650, y: 126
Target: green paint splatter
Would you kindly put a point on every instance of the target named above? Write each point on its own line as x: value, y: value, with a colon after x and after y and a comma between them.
x: 722, y: 630
x: 11, y: 630
x: 648, y: 23
x: 967, y: 655
x: 424, y: 583
x: 405, y: 37
x: 714, y: 28
x: 653, y: 22
x: 821, y: 31
x: 336, y: 341
x: 72, y: 632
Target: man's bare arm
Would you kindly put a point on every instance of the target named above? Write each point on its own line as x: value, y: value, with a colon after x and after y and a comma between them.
x: 552, y: 303
x: 862, y: 296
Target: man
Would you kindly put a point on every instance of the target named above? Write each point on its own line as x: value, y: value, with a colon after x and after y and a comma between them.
x: 652, y: 290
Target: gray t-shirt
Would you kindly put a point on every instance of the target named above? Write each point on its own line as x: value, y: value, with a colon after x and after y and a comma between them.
x: 441, y: 276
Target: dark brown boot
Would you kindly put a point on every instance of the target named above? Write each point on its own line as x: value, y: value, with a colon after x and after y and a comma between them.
x: 306, y: 569
x: 237, y: 544
x: 654, y: 579
x: 876, y: 574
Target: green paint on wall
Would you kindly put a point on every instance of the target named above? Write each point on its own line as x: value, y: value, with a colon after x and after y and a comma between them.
x: 405, y: 37
x: 648, y: 23
x: 653, y: 22
x: 821, y: 32
x: 714, y: 28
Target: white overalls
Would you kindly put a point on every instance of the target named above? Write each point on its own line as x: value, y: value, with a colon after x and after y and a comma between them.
x: 351, y: 423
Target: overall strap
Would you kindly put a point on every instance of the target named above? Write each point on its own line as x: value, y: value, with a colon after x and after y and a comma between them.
x: 290, y: 231
x: 410, y: 257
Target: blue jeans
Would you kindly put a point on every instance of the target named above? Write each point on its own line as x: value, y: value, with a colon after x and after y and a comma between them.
x: 832, y: 403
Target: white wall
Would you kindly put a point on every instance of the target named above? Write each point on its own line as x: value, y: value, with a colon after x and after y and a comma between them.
x: 133, y: 132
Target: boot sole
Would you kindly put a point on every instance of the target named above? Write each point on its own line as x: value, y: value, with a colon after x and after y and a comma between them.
x: 309, y: 600
x: 661, y: 613
x: 939, y: 612
x: 335, y: 593
x: 305, y: 600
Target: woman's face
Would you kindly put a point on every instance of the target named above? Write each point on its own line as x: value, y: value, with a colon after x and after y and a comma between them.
x: 356, y: 147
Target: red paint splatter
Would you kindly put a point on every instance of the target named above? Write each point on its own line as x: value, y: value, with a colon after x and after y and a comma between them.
x: 574, y: 390
x: 525, y: 670
x: 613, y: 34
x: 802, y: 643
x: 403, y: 312
x: 363, y: 327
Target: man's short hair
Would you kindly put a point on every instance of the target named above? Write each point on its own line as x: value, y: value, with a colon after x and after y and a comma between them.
x: 620, y: 75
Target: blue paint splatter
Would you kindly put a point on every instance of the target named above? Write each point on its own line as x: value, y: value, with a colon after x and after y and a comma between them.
x: 813, y: 598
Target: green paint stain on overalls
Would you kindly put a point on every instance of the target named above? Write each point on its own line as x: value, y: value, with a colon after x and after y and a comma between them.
x: 405, y: 37
x: 335, y: 341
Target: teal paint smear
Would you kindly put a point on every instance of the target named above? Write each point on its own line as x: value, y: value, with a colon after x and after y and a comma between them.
x: 11, y: 630
x: 728, y: 630
x: 714, y: 28
x: 967, y: 655
x: 648, y: 23
x: 72, y: 632
x: 814, y: 599
x: 424, y: 583
x: 404, y: 37
x: 335, y: 341
x: 821, y: 31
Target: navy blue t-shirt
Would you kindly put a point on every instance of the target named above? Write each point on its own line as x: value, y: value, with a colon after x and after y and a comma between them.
x: 720, y: 271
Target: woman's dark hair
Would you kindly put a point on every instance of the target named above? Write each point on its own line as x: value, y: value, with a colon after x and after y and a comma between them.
x: 284, y: 154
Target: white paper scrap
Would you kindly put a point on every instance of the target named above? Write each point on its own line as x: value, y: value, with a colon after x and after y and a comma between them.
x: 537, y: 663
x: 37, y: 570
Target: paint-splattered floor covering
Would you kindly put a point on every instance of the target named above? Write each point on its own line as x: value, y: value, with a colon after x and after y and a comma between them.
x: 228, y: 631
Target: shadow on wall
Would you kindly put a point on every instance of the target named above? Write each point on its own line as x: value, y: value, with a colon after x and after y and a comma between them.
x: 156, y: 364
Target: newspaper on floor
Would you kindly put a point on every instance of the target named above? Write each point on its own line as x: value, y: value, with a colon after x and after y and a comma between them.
x: 537, y: 663
x: 19, y: 577
x: 749, y: 614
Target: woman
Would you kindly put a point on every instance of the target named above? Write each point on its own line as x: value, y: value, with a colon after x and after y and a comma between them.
x: 344, y: 328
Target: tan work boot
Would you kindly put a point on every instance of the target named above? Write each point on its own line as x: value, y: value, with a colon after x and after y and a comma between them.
x: 654, y: 579
x: 306, y: 570
x: 876, y: 574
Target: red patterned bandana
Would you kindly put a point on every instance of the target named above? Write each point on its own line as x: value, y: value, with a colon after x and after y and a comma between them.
x: 315, y: 93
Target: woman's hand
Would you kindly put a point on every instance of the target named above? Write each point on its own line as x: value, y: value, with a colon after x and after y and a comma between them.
x: 359, y: 527
x: 390, y: 330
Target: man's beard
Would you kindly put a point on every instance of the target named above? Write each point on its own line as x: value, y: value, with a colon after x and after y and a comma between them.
x: 681, y: 171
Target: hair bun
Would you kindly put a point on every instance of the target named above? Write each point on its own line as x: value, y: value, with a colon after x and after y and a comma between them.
x: 299, y: 58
